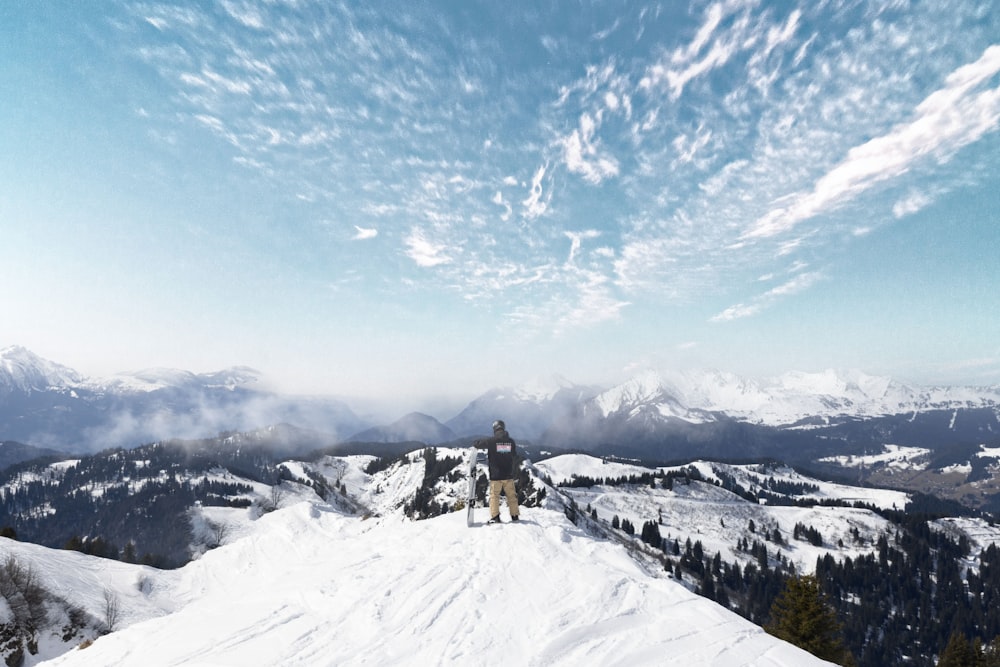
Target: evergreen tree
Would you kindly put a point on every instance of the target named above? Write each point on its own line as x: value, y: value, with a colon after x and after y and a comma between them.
x: 959, y: 652
x: 802, y: 617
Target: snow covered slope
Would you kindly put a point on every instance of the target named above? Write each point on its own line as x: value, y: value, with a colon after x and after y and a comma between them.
x: 309, y: 586
x: 718, y: 518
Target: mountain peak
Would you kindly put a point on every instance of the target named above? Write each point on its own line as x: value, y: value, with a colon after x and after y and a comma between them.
x: 414, y: 427
x: 21, y: 369
x: 541, y: 388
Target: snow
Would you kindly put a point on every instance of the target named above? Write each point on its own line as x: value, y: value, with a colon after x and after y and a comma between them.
x: 563, y: 468
x: 892, y: 456
x: 307, y: 585
x: 980, y: 533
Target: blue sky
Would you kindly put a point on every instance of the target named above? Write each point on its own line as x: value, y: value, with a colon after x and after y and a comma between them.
x: 409, y: 199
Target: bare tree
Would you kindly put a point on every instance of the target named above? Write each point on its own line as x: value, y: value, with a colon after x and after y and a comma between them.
x: 112, y: 609
x: 273, y: 501
x: 219, y: 532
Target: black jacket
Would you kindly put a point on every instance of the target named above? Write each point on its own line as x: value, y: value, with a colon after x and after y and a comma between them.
x: 502, y: 455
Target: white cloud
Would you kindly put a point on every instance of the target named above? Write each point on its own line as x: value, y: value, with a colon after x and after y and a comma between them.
x: 589, y: 303
x: 424, y: 252
x: 582, y: 156
x: 535, y: 205
x: 795, y: 285
x: 707, y: 51
x: 363, y: 233
x: 688, y: 147
x: 245, y: 13
x: 945, y: 121
x: 910, y: 204
x: 575, y: 239
x: 500, y: 201
x: 737, y: 312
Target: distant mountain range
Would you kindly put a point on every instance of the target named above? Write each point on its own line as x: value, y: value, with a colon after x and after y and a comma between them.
x: 45, y: 404
x: 663, y: 416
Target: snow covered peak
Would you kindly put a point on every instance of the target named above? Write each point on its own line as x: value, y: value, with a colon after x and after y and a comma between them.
x: 21, y: 369
x: 153, y: 379
x: 642, y: 388
x: 542, y: 388
x: 850, y: 385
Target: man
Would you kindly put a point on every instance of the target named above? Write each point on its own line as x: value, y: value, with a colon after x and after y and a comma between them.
x: 503, y: 464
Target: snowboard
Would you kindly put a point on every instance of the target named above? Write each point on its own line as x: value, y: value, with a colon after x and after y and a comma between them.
x: 471, y: 500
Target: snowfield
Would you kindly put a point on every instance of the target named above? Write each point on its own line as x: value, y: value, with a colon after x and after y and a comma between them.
x: 307, y: 585
x: 892, y: 456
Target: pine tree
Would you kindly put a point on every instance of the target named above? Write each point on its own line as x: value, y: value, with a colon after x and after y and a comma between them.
x: 959, y: 652
x: 802, y: 617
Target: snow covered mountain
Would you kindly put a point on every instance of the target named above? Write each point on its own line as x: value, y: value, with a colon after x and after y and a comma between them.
x: 22, y: 370
x: 414, y: 427
x: 796, y: 417
x: 707, y: 395
x: 529, y: 409
x: 311, y: 585
x: 45, y: 404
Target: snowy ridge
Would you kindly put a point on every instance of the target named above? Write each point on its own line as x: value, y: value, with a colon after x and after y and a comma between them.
x: 309, y: 586
x: 154, y: 379
x: 23, y: 370
x: 694, y: 396
x: 541, y: 389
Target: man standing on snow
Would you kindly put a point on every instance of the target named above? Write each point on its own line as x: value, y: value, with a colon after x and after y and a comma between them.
x: 503, y: 464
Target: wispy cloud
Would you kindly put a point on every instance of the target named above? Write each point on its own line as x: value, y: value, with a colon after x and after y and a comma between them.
x: 424, y: 252
x: 537, y: 201
x: 797, y: 284
x: 582, y: 153
x: 364, y: 233
x: 712, y: 47
x: 576, y: 239
x: 945, y: 121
